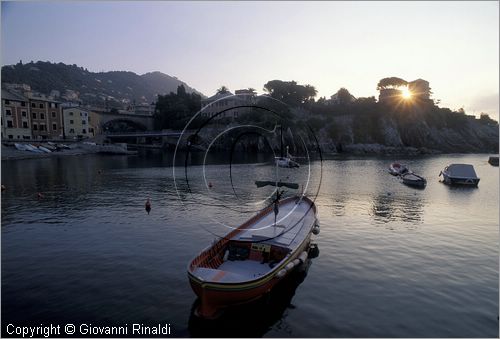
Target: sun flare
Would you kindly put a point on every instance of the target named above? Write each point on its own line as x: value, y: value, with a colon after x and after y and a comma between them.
x: 406, y: 93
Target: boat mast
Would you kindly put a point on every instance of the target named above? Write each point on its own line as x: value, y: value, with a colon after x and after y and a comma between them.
x: 281, y: 140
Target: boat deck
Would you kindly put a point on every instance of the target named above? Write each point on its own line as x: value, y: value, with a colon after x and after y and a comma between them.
x: 294, y: 221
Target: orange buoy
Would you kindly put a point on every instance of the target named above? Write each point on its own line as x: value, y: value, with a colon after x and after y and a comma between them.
x: 148, y: 206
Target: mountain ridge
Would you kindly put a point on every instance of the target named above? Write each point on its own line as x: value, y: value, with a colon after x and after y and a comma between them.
x: 76, y: 83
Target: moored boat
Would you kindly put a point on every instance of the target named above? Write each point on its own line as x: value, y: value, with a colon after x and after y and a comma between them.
x: 32, y: 148
x: 20, y: 147
x: 397, y: 169
x: 286, y: 162
x: 460, y: 174
x: 250, y: 260
x: 414, y: 180
x: 44, y: 149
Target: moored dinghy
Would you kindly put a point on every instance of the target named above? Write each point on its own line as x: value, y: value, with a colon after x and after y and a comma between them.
x: 414, y: 180
x: 250, y: 260
x: 397, y: 169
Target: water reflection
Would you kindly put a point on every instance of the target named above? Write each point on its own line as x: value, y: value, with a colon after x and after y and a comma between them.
x: 388, y: 207
x: 253, y: 319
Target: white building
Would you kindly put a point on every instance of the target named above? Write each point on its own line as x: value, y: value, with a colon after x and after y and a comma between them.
x: 76, y: 123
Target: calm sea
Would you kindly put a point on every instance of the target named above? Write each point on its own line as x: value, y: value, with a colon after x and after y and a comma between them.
x: 394, y: 261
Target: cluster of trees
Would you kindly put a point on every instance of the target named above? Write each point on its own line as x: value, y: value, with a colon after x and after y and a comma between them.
x: 174, y: 110
x: 363, y: 119
x: 290, y: 92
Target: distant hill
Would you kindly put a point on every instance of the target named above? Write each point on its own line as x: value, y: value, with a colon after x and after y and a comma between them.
x: 118, y: 88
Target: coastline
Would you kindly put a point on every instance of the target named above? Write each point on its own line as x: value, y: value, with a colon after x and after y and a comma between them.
x: 10, y: 153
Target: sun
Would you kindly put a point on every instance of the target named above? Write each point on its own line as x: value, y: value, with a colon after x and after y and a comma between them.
x: 406, y: 93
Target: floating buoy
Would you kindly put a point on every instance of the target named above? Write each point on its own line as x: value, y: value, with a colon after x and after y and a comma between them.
x: 40, y: 195
x: 210, y: 184
x: 3, y: 188
x: 148, y: 206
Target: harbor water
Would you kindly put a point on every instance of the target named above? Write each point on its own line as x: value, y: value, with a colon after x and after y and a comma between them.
x: 393, y: 261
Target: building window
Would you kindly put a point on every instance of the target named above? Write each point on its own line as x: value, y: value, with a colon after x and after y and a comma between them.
x: 53, y: 114
x: 84, y: 122
x: 11, y: 136
x: 33, y: 105
x: 72, y: 131
x: 23, y: 103
x: 41, y: 105
x: 80, y: 113
x: 25, y: 124
x: 9, y: 124
x: 35, y: 127
x: 42, y: 127
x: 54, y: 127
x: 42, y: 116
x: 71, y: 122
x: 56, y: 104
x: 34, y: 115
x: 8, y: 112
x: 7, y: 102
x: 84, y: 131
x: 70, y: 113
x: 24, y: 114
x: 26, y: 137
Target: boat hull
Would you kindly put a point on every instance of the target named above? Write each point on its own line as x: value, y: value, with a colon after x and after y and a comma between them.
x: 460, y: 181
x: 215, y: 297
x: 414, y: 183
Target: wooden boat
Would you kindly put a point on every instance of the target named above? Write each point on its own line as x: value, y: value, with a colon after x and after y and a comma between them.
x: 414, y: 180
x: 460, y: 174
x: 397, y: 169
x: 250, y: 260
x: 493, y: 161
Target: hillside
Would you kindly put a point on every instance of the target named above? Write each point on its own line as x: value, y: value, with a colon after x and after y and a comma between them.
x: 76, y: 83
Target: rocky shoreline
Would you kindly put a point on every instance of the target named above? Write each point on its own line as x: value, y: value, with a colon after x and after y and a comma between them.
x: 11, y: 153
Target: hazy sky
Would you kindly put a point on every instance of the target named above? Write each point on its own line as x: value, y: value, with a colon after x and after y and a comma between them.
x: 453, y: 45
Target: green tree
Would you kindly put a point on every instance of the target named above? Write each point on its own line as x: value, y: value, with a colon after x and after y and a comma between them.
x: 392, y: 82
x: 290, y: 92
x: 174, y: 110
x: 222, y: 90
x: 343, y: 96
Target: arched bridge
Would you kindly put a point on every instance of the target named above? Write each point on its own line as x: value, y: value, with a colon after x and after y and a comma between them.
x: 142, y: 122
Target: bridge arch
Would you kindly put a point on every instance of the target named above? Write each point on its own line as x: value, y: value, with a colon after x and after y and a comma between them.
x: 123, y: 125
